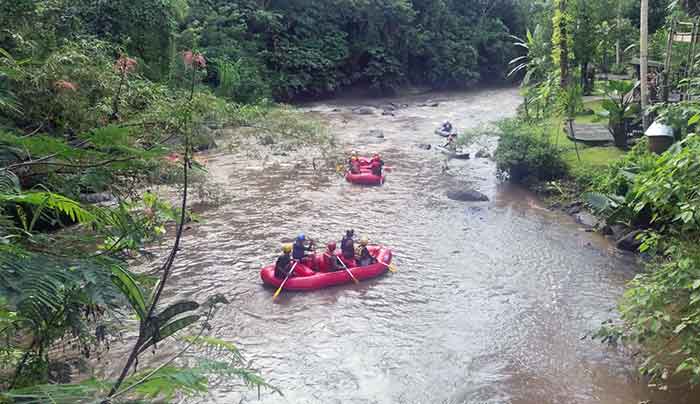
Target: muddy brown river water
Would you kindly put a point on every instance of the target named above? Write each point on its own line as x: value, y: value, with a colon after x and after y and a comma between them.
x: 491, y: 301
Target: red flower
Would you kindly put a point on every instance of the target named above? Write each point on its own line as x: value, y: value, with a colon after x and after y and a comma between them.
x: 63, y: 85
x: 199, y: 60
x: 188, y: 57
x: 125, y: 64
x: 194, y: 59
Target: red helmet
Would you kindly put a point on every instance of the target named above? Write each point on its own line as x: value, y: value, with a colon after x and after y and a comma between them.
x: 331, y: 246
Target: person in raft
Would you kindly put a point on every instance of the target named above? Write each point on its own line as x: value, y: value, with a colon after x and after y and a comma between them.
x: 376, y: 165
x: 284, y: 262
x: 355, y: 165
x: 365, y: 257
x: 300, y: 248
x: 330, y: 258
x: 347, y: 245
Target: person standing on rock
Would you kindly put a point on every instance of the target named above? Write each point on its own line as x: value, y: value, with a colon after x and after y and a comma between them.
x: 451, y: 144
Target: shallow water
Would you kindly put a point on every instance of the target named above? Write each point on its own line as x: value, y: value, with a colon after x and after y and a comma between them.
x: 490, y: 303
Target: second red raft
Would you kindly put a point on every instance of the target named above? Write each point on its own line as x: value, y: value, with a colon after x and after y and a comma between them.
x: 365, y: 177
x: 318, y: 280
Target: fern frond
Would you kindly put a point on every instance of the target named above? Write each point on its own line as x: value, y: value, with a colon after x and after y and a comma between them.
x: 56, y: 202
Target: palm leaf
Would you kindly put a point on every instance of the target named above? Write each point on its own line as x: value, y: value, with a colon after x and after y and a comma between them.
x: 50, y: 200
x: 123, y: 280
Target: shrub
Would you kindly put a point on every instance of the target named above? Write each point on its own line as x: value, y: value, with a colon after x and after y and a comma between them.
x: 661, y: 313
x: 525, y: 153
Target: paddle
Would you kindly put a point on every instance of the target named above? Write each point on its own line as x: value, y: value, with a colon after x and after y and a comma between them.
x: 284, y: 281
x: 391, y: 267
x: 349, y: 273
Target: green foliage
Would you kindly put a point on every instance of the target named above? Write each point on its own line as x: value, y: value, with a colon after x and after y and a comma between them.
x: 50, y: 298
x: 526, y: 153
x: 618, y: 108
x: 669, y: 192
x: 304, y: 48
x: 661, y: 312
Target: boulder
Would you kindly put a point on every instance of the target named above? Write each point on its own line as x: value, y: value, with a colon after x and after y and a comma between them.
x: 204, y: 145
x: 266, y: 140
x: 630, y: 242
x: 587, y: 219
x: 364, y: 111
x: 469, y: 195
x: 429, y: 103
x: 574, y: 207
x: 424, y: 146
x: 615, y: 230
x: 376, y: 133
x: 483, y: 154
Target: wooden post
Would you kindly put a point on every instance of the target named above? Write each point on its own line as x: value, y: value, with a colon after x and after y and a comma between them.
x: 691, y: 51
x: 644, y: 60
x: 668, y: 61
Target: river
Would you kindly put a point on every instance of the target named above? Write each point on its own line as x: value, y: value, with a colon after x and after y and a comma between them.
x: 491, y: 302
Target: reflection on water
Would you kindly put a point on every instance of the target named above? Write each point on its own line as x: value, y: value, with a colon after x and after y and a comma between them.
x: 490, y: 303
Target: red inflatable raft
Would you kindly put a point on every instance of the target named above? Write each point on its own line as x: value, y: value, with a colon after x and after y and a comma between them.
x: 307, y: 279
x: 365, y: 177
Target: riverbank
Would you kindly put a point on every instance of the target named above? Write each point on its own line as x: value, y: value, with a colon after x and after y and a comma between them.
x: 644, y: 203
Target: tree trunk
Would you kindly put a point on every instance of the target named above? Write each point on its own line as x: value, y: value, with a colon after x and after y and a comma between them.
x: 618, y: 44
x: 563, y: 47
x: 644, y: 60
x: 619, y: 134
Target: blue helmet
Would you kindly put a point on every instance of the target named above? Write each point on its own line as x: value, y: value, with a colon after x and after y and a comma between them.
x: 301, y: 237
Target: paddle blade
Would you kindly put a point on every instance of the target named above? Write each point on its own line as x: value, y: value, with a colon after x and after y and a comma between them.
x: 279, y: 290
x: 392, y: 268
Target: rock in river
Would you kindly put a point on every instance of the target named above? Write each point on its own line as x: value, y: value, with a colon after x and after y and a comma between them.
x: 483, y: 154
x: 376, y: 133
x: 364, y: 111
x: 424, y: 146
x: 630, y: 241
x: 469, y: 195
x: 586, y: 219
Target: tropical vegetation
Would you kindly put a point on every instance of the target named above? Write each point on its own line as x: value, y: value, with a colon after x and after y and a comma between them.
x: 100, y: 102
x: 648, y: 200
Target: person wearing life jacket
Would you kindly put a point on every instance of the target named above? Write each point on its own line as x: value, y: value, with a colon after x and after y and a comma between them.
x: 347, y: 246
x: 284, y: 262
x: 365, y: 258
x: 300, y: 248
x: 330, y: 259
x: 355, y: 165
x: 376, y: 164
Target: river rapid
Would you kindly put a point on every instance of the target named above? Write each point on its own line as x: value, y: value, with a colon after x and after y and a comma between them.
x: 491, y: 303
